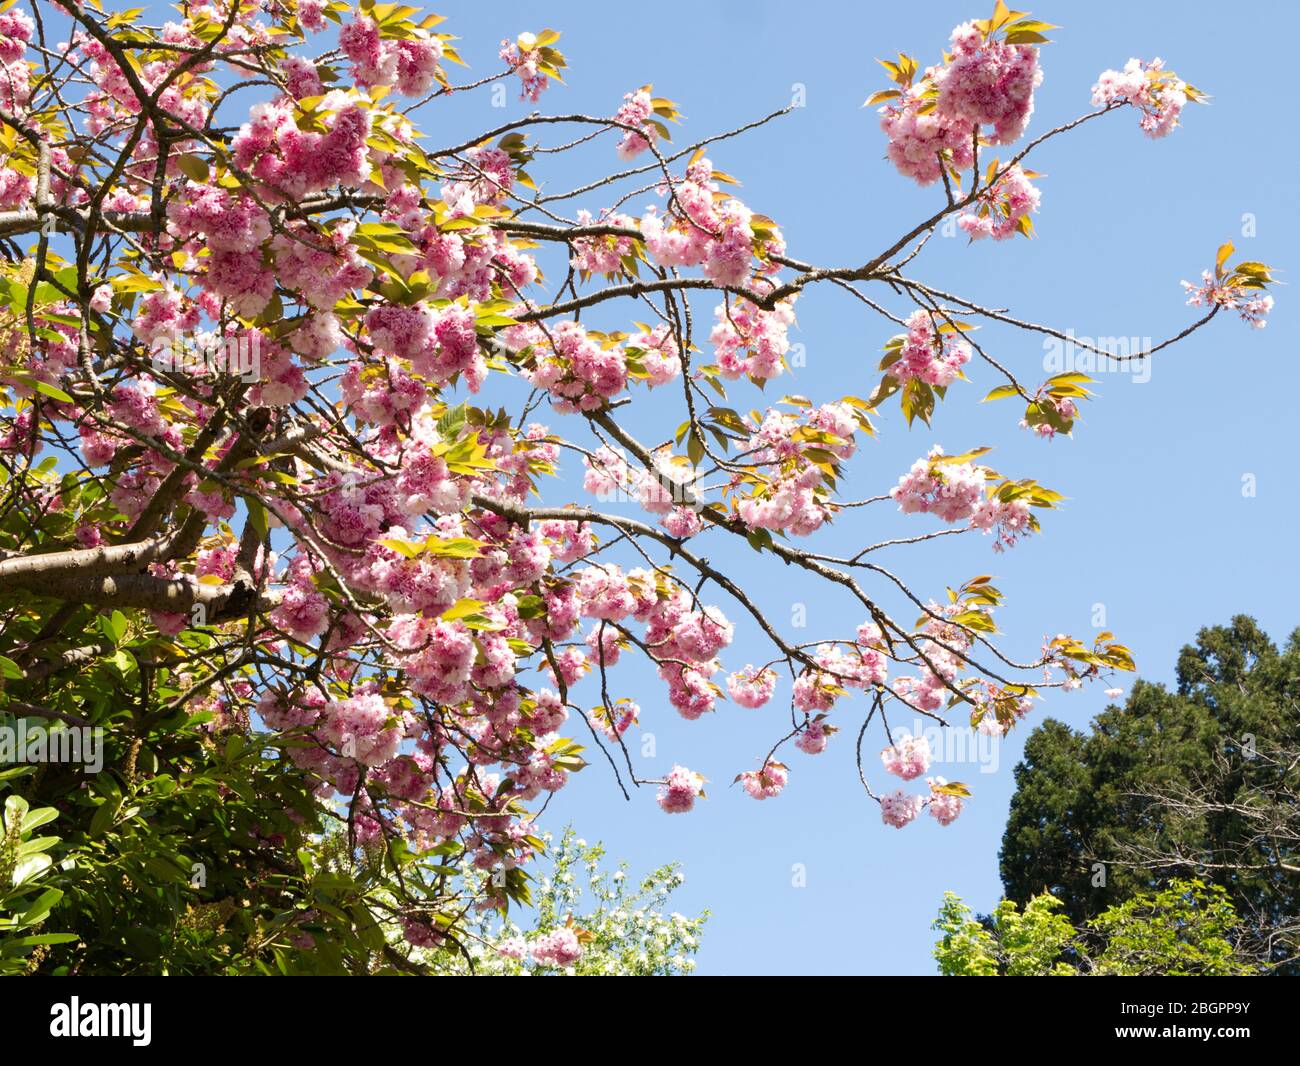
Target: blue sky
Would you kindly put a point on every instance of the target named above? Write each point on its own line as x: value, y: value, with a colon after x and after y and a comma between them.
x: 1156, y: 528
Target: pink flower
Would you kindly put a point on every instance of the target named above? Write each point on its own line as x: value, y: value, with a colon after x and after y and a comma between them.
x: 751, y: 342
x: 1004, y: 209
x: 635, y: 111
x: 920, y: 141
x: 580, y: 371
x: 988, y: 83
x: 944, y: 807
x: 311, y: 15
x: 559, y: 948
x: 603, y: 254
x: 1160, y: 95
x: 16, y: 30
x: 898, y: 808
x: 300, y: 77
x: 750, y: 687
x: 680, y: 790
x: 523, y: 58
x: 957, y: 492
x: 929, y: 351
x: 765, y: 783
x: 1248, y: 302
x: 420, y: 933
x: 616, y: 719
x: 908, y: 757
x: 814, y: 738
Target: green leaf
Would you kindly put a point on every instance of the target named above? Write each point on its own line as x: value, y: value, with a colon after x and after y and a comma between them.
x: 194, y: 168
x: 41, y: 907
x: 30, y: 868
x: 1001, y: 393
x: 47, y: 389
x: 102, y: 818
x: 37, y: 818
x: 257, y: 516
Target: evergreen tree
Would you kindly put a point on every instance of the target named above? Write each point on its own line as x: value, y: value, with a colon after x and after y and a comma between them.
x: 1199, y: 781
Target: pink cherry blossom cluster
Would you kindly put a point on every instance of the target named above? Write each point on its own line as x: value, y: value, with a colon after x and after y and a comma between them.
x: 661, y: 491
x: 750, y: 687
x: 653, y: 355
x: 439, y: 344
x: 859, y: 666
x: 766, y: 782
x: 942, y: 645
x: 944, y: 807
x: 486, y: 178
x: 16, y: 188
x: 16, y: 30
x: 956, y: 492
x: 607, y: 472
x: 605, y: 254
x: 472, y: 261
x: 750, y: 341
x: 683, y: 638
x: 704, y: 229
x: 382, y: 394
x: 568, y: 541
x: 364, y: 728
x: 987, y: 82
x: 907, y: 757
x: 899, y: 808
x: 232, y: 229
x: 521, y: 56
x: 686, y: 643
x: 271, y: 147
x: 814, y: 737
x: 408, y: 64
x: 301, y: 78
x: 420, y: 934
x: 930, y: 351
x: 581, y: 371
x: 1012, y: 198
x: 921, y: 140
x: 558, y: 948
x: 1159, y: 94
x: 936, y: 123
x: 325, y: 268
x: 791, y: 494
x: 635, y: 111
x: 303, y: 612
x: 1250, y: 303
x: 165, y: 315
x: 680, y: 790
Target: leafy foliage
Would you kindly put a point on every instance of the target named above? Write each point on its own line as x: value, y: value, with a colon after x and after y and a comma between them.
x: 1185, y: 930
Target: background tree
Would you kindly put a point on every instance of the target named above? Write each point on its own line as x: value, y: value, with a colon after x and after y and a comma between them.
x: 276, y: 517
x: 1185, y: 930
x: 1201, y: 781
x: 623, y: 927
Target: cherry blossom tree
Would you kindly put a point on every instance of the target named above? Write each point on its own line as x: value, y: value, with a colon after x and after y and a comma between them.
x: 292, y: 373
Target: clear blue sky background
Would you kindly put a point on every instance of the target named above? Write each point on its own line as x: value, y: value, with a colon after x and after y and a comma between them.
x: 1156, y: 527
